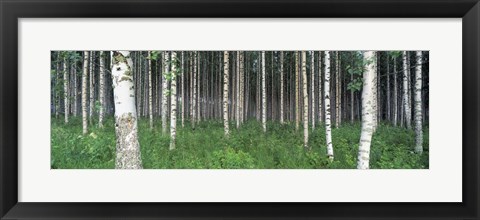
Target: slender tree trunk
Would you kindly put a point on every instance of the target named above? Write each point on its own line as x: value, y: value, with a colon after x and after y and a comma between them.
x: 379, y: 91
x: 242, y: 87
x: 237, y: 90
x: 194, y: 99
x: 328, y: 125
x: 102, y: 89
x: 418, y: 104
x: 395, y: 96
x: 264, y: 95
x: 165, y: 92
x: 173, y: 103
x: 225, y: 92
x: 352, y: 96
x: 56, y: 89
x: 86, y: 58
x: 92, y: 85
x: 312, y: 85
x: 258, y: 87
x: 338, y: 110
x: 281, y: 88
x: 375, y: 95
x: 191, y: 90
x: 406, y: 97
x: 336, y: 90
x: 75, y: 89
x: 150, y: 91
x: 198, y: 100
x: 128, y: 148
x: 297, y: 112
x: 368, y: 113
x: 388, y: 89
x: 66, y: 99
x: 305, y: 100
x: 183, y: 90
x: 320, y: 116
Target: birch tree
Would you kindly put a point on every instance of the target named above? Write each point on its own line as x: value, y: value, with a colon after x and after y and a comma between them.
x: 75, y: 86
x: 368, y: 113
x: 337, y: 90
x: 86, y: 58
x: 242, y: 86
x: 150, y: 91
x: 320, y: 87
x: 395, y: 96
x: 297, y: 116
x: 281, y: 88
x: 225, y: 92
x: 92, y: 85
x: 312, y: 85
x: 305, y: 100
x: 194, y: 98
x: 237, y: 92
x: 165, y: 91
x: 388, y: 88
x: 406, y: 97
x: 183, y: 89
x: 264, y: 95
x: 375, y: 97
x: 128, y: 148
x: 328, y: 123
x: 65, y: 88
x: 418, y: 104
x: 102, y: 89
x: 173, y: 101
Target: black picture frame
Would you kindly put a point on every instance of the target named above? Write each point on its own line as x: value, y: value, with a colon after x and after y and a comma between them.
x: 12, y: 10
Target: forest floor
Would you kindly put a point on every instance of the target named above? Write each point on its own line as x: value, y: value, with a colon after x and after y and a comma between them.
x: 205, y: 147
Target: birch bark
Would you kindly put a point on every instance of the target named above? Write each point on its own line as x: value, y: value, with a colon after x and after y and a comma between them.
x: 128, y: 148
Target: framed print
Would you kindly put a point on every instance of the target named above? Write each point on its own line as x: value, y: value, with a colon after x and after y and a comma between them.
x: 225, y: 109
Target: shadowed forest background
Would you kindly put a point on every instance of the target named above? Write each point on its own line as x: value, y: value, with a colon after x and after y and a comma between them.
x: 239, y: 109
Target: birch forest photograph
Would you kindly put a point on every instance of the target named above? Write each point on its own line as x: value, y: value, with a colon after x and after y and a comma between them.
x: 239, y: 109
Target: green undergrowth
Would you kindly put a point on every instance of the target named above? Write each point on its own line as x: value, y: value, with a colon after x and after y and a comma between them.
x: 206, y: 147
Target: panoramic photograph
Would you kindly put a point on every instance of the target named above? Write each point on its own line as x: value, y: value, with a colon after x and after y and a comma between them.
x: 239, y: 109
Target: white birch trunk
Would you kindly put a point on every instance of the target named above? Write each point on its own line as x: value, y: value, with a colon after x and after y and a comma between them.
x: 328, y: 123
x: 312, y: 85
x: 183, y: 90
x: 150, y: 91
x: 418, y: 104
x: 388, y: 89
x: 264, y: 95
x: 128, y: 148
x: 406, y: 97
x: 395, y: 96
x: 173, y: 102
x: 225, y: 92
x: 86, y: 58
x: 237, y: 87
x: 75, y: 89
x: 102, y: 89
x: 165, y: 91
x: 305, y: 99
x: 297, y: 110
x: 66, y: 100
x: 337, y: 90
x: 92, y: 86
x: 320, y: 118
x: 368, y: 113
x: 375, y: 96
x: 194, y: 99
x: 242, y: 87
x: 281, y: 88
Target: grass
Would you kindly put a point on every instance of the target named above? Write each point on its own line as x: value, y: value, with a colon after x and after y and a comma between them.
x: 205, y: 147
